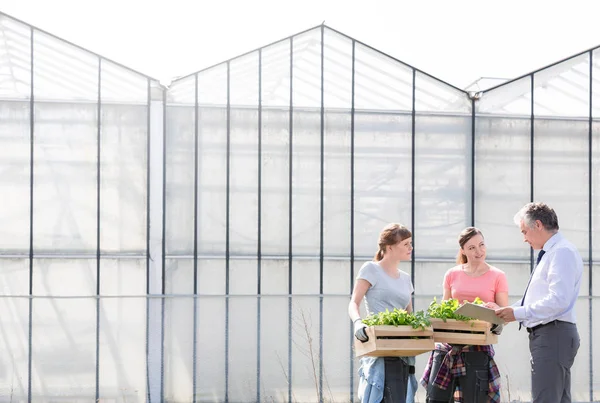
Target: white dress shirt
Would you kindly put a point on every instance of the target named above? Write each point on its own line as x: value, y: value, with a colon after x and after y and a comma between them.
x: 554, y: 285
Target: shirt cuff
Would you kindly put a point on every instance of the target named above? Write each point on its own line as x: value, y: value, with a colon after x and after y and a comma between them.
x: 520, y: 313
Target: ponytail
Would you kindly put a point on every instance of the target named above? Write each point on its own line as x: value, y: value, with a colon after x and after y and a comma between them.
x: 461, y: 258
x: 379, y: 255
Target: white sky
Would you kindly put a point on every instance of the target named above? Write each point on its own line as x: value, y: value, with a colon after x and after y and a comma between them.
x: 455, y: 40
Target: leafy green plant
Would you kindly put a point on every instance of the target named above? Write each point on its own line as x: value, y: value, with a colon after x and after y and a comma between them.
x: 398, y: 317
x: 445, y: 309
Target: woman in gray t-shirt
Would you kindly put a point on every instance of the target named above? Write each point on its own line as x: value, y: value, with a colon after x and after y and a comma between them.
x: 385, y: 286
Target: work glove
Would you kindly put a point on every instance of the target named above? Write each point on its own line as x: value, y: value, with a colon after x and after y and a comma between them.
x: 360, y: 330
x: 497, y: 329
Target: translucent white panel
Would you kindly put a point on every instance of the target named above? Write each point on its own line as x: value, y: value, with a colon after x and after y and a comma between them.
x: 49, y: 277
x: 275, y: 74
x: 502, y: 182
x: 63, y: 71
x: 15, y: 59
x: 179, y: 349
x: 337, y: 70
x: 306, y: 182
x: 274, y: 277
x: 14, y: 177
x: 306, y: 336
x: 210, y: 359
x: 122, y: 365
x: 513, y: 98
x: 580, y: 372
x: 122, y: 86
x: 212, y: 161
x: 275, y: 340
x: 382, y: 176
x: 275, y: 189
x: 14, y: 348
x: 337, y: 349
x: 596, y: 280
x: 122, y: 276
x: 442, y: 182
x: 65, y: 177
x: 595, y: 325
x: 306, y: 75
x: 336, y: 277
x: 596, y: 83
x: 211, y: 276
x: 179, y: 276
x: 14, y: 277
x: 595, y: 190
x: 381, y: 83
x: 563, y: 89
x: 63, y: 357
x: 517, y: 276
x: 243, y: 277
x: 180, y: 179
x: 429, y: 279
x: 243, y: 349
x: 337, y: 185
x: 183, y: 91
x: 243, y: 171
x: 123, y: 178
x: 305, y: 277
x: 561, y: 175
x: 432, y: 95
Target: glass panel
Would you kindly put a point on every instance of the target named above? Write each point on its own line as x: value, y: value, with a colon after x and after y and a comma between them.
x: 15, y: 82
x: 180, y: 143
x: 124, y: 166
x: 49, y: 277
x: 306, y: 75
x: 64, y: 348
x: 179, y: 276
x: 275, y: 340
x: 211, y: 276
x: 14, y: 348
x: 306, y: 317
x: 513, y: 98
x: 123, y: 86
x: 337, y: 350
x: 211, y: 339
x: 443, y: 169
x: 179, y: 348
x: 122, y: 341
x: 274, y: 277
x: 243, y: 169
x: 15, y: 59
x: 212, y: 161
x: 276, y: 76
x: 242, y: 349
x: 305, y: 276
x: 14, y: 276
x: 65, y: 147
x: 595, y: 189
x: 337, y: 145
x: 336, y: 277
x: 243, y: 277
x: 122, y: 276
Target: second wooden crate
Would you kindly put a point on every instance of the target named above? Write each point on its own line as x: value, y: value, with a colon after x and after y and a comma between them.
x: 473, y: 332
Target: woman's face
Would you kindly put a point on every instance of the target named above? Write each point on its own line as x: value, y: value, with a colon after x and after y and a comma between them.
x: 474, y: 249
x: 402, y: 250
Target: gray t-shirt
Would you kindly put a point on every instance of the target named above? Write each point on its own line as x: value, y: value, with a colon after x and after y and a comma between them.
x: 385, y: 292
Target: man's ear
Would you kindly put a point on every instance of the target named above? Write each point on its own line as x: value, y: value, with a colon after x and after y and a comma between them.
x: 538, y: 224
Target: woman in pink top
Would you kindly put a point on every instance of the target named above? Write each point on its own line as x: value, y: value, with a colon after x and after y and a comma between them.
x: 465, y: 371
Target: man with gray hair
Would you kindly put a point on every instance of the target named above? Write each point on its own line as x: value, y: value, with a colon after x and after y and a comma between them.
x: 547, y: 308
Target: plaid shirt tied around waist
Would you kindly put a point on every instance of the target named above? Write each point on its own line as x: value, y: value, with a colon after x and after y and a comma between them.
x: 453, y: 365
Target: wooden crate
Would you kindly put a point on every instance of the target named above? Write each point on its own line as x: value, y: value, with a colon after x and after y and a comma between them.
x: 395, y: 341
x: 452, y: 331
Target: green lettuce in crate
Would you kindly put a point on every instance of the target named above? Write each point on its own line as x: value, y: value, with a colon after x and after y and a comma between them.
x: 445, y: 309
x: 398, y: 317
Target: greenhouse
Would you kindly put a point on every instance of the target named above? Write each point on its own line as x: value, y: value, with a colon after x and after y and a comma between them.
x: 198, y: 242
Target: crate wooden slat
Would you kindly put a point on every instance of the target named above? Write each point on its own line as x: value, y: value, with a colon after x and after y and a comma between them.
x: 452, y: 331
x: 401, y: 345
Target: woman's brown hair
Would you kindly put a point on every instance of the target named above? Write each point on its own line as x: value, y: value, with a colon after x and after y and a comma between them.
x: 391, y: 235
x: 463, y: 238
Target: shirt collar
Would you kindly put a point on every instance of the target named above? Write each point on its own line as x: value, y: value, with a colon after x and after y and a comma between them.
x: 554, y: 239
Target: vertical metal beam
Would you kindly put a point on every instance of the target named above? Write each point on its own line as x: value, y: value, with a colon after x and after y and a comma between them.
x: 195, y: 335
x: 259, y: 227
x: 352, y: 212
x: 472, y: 162
x: 98, y: 186
x: 413, y: 149
x: 290, y: 216
x: 322, y: 217
x: 531, y: 164
x: 164, y: 245
x: 31, y: 155
x: 590, y: 229
x: 227, y: 207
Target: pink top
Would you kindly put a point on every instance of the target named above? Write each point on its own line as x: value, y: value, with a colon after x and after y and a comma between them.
x: 464, y: 287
